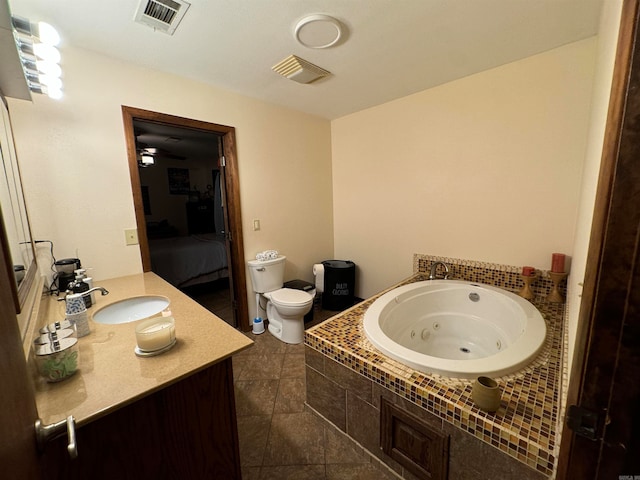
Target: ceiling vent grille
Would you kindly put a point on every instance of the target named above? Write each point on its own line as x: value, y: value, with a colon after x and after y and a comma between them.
x: 299, y: 70
x: 161, y: 15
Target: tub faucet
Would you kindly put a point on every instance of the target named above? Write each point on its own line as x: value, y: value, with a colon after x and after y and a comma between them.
x: 434, y: 267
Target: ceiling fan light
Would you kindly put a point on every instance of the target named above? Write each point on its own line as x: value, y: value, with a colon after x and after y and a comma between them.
x: 146, y: 160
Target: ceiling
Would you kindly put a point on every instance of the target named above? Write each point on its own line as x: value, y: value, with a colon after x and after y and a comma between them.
x: 393, y: 48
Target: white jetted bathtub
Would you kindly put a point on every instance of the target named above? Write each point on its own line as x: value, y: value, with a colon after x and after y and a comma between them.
x: 455, y: 328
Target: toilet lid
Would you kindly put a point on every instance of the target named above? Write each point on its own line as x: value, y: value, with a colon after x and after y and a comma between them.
x: 289, y: 296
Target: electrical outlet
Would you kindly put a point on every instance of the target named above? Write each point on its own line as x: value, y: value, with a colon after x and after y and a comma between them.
x: 131, y: 236
x: 256, y: 225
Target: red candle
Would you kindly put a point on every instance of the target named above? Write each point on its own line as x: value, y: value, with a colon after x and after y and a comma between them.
x: 527, y: 271
x: 557, y: 262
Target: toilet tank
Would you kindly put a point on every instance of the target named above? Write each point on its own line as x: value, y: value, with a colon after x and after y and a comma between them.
x: 268, y: 275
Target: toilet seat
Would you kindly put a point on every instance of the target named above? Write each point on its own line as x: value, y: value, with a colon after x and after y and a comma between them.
x: 289, y: 297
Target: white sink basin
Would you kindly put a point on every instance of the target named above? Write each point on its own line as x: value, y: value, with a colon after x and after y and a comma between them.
x: 131, y: 309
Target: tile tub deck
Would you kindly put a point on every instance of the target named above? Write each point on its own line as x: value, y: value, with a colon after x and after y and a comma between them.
x: 526, y: 425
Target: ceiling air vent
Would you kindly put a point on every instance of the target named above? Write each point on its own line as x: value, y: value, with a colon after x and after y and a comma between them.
x: 299, y: 70
x: 161, y: 15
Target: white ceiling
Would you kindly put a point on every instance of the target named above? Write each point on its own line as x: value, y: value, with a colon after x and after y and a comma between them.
x: 394, y: 47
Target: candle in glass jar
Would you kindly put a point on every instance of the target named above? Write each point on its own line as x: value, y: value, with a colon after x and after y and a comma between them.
x: 155, y: 334
x: 557, y: 262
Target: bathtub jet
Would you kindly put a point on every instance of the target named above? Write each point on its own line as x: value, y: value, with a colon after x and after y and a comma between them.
x: 455, y: 328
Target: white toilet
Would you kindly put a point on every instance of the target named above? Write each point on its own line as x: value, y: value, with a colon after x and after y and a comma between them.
x: 285, y: 307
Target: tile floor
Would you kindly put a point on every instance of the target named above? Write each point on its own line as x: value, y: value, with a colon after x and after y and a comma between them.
x: 280, y: 438
x: 215, y: 297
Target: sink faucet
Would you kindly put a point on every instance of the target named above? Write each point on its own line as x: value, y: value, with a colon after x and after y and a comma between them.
x: 434, y: 267
x: 103, y: 290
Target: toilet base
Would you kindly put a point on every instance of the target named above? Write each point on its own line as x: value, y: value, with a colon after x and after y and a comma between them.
x: 288, y: 331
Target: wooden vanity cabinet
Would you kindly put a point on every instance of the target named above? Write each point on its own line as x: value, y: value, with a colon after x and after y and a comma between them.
x: 185, y: 430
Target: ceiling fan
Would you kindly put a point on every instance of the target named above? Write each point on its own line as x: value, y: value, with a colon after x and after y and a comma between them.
x: 147, y: 154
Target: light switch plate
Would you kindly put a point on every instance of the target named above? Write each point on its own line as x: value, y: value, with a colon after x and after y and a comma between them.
x: 131, y: 236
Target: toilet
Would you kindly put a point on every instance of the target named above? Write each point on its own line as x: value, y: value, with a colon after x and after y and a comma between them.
x: 285, y: 307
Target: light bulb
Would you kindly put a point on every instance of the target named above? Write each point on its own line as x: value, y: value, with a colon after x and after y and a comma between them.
x: 46, y: 52
x: 147, y: 159
x: 51, y: 82
x: 47, y: 34
x: 54, y: 93
x: 49, y: 68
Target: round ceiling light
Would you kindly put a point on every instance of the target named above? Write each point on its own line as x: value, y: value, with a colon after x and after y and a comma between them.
x: 318, y: 31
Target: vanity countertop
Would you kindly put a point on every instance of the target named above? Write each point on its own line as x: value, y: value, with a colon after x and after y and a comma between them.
x: 110, y: 374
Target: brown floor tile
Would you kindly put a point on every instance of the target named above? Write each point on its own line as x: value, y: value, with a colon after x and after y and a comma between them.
x: 293, y: 365
x: 253, y: 433
x: 295, y: 348
x: 250, y: 473
x: 341, y: 449
x: 295, y: 439
x: 279, y: 437
x: 238, y: 363
x: 255, y: 397
x: 291, y: 396
x: 293, y: 472
x: 357, y: 472
x: 267, y: 343
x: 262, y: 367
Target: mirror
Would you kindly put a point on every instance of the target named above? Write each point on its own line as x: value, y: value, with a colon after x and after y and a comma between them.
x: 19, y: 247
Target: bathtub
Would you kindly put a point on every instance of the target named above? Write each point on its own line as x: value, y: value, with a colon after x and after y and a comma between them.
x: 455, y: 328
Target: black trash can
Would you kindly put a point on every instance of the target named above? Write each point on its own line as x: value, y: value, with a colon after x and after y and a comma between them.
x: 339, y: 284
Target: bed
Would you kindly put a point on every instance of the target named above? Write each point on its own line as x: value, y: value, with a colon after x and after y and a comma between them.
x: 190, y: 260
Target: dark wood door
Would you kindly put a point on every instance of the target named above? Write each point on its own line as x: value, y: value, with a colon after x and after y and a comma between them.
x: 605, y: 385
x: 18, y: 456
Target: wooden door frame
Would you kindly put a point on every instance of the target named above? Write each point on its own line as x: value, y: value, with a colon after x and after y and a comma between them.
x: 608, y: 285
x: 237, y: 271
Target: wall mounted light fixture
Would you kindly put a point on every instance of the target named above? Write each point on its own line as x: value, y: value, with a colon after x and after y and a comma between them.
x: 36, y: 43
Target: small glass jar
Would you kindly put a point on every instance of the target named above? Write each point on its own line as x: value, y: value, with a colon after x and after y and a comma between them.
x: 53, y: 336
x: 52, y: 327
x: 57, y: 360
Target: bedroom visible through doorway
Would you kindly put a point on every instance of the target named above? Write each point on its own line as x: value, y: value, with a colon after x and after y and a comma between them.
x: 183, y: 208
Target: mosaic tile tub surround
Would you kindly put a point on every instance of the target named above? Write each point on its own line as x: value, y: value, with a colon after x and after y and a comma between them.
x: 526, y: 425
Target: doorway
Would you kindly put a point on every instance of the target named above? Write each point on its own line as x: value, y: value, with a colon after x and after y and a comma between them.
x: 187, y: 205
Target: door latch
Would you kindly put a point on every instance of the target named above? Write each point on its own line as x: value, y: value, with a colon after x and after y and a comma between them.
x: 585, y: 423
x: 47, y: 433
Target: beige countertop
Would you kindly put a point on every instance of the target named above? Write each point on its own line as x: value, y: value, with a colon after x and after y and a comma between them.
x: 110, y: 374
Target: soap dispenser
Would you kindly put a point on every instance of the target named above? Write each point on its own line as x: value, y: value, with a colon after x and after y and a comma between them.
x: 79, y: 286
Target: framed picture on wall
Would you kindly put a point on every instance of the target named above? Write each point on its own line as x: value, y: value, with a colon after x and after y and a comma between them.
x: 178, y: 181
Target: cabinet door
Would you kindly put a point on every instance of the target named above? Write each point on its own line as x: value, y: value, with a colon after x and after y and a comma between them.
x: 187, y: 430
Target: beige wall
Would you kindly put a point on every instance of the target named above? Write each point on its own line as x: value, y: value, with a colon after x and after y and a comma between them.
x: 487, y: 167
x: 76, y: 177
x: 607, y: 43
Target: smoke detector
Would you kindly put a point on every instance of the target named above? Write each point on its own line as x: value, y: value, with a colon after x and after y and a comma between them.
x: 299, y: 70
x: 161, y: 15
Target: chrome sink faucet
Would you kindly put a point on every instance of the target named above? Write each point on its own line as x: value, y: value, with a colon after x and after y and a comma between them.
x: 102, y: 290
x: 434, y: 268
